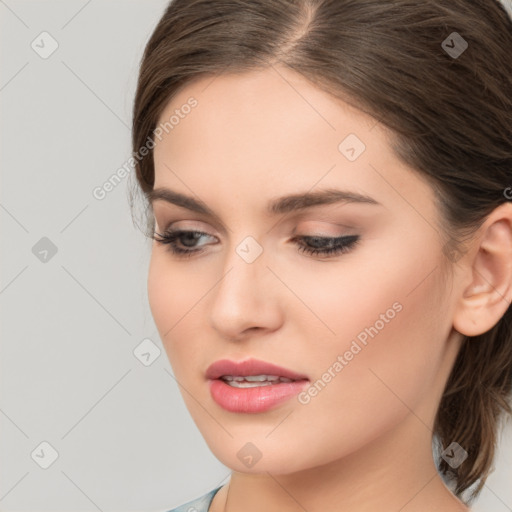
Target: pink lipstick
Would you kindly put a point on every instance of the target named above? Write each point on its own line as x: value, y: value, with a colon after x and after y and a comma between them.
x: 252, y: 386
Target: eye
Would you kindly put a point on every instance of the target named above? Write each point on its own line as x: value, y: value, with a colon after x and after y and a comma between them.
x: 186, y: 237
x: 313, y: 245
x: 327, y: 246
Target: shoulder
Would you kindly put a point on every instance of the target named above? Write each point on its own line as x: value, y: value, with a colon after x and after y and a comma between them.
x: 200, y: 504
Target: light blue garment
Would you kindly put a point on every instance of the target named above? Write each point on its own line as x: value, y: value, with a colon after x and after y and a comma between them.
x: 201, y: 504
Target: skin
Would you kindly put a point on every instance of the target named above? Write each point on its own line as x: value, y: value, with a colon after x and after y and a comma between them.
x: 364, y: 442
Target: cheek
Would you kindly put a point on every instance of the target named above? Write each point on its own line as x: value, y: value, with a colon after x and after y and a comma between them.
x: 390, y: 340
x: 367, y: 291
x: 174, y: 299
x: 162, y: 287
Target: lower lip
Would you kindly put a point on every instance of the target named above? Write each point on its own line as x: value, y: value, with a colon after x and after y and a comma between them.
x: 254, y: 399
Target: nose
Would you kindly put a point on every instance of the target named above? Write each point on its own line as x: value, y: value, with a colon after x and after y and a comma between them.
x: 246, y: 298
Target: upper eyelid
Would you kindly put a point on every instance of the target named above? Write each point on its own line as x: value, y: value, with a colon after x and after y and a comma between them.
x: 296, y: 232
x: 347, y: 242
x: 294, y: 236
x: 294, y: 219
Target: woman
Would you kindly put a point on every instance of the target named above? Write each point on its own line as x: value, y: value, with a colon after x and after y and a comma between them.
x: 328, y: 185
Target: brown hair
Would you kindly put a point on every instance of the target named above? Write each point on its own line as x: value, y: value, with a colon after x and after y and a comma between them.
x: 450, y: 115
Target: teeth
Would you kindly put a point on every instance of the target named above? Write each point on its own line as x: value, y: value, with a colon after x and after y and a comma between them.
x: 251, y: 381
x: 237, y: 384
x: 260, y: 378
x: 251, y: 378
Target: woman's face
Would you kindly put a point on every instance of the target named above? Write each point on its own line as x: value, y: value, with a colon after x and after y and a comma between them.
x: 369, y: 327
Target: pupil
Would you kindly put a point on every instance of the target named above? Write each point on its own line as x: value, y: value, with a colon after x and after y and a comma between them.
x: 190, y: 237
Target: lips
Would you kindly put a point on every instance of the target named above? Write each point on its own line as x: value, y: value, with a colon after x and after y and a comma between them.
x: 229, y: 389
x: 226, y: 367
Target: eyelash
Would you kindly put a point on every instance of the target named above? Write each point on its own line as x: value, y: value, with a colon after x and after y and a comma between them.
x: 343, y: 244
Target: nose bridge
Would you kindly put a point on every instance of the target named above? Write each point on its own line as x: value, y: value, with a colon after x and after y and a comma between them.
x: 244, y: 273
x: 242, y: 298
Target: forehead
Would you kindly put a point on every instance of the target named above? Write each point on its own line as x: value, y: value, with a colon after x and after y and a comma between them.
x: 275, y: 101
x: 266, y: 132
x: 271, y: 117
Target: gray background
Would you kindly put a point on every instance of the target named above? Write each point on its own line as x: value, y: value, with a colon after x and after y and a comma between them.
x: 71, y: 320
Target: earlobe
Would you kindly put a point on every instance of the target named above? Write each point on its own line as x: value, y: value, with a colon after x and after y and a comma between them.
x: 489, y: 294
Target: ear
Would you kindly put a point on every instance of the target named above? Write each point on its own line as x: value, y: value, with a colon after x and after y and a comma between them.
x: 488, y: 268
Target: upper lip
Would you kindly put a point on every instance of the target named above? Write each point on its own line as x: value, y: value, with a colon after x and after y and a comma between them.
x: 249, y: 367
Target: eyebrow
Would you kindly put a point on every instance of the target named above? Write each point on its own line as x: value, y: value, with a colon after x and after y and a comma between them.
x: 278, y: 206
